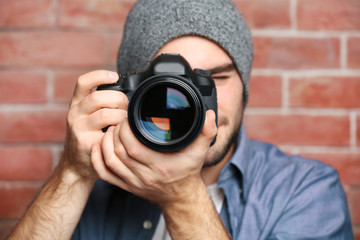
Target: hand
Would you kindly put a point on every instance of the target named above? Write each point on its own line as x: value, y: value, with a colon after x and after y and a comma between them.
x: 90, y: 111
x: 158, y: 177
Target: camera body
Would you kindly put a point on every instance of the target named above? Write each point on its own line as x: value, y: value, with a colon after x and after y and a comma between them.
x: 167, y: 102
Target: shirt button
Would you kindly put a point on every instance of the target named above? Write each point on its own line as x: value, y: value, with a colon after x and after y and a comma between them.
x: 147, y: 225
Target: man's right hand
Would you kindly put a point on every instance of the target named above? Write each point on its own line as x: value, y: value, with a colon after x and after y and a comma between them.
x: 58, y: 207
x: 91, y: 111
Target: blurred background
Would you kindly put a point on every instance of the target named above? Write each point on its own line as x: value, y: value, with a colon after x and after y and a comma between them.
x: 304, y: 91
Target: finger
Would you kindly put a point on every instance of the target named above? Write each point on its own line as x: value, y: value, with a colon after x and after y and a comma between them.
x: 103, y: 99
x: 105, y: 117
x: 112, y: 161
x: 207, y: 134
x: 141, y: 160
x: 118, y: 145
x: 89, y: 81
x: 103, y: 172
x: 133, y: 153
x: 209, y: 129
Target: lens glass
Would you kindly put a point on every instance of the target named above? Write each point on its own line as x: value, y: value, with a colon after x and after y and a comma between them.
x: 166, y: 113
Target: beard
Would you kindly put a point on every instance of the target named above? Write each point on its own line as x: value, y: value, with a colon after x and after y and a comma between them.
x: 218, y: 152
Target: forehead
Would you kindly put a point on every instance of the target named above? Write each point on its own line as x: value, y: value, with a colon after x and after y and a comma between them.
x: 198, y: 51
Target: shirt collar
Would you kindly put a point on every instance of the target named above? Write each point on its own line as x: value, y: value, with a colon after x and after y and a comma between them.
x: 238, y: 166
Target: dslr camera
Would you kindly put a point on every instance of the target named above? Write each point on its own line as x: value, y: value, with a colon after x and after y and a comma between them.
x: 167, y: 102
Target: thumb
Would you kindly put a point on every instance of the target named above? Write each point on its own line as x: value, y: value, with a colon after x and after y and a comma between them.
x: 210, y: 129
x: 208, y: 132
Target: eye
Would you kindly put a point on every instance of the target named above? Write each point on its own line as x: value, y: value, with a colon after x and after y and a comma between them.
x: 220, y: 77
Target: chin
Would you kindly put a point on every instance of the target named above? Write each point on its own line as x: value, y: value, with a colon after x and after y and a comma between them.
x: 218, y: 152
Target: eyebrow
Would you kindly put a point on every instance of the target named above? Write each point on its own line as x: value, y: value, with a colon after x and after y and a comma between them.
x: 223, y: 68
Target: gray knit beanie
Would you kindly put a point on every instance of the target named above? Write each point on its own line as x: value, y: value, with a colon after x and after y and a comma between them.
x: 152, y: 23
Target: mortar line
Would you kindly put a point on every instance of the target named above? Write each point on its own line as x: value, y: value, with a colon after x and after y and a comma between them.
x: 293, y: 14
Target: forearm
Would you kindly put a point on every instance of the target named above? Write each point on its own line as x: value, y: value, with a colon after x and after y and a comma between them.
x: 194, y: 217
x: 56, y: 211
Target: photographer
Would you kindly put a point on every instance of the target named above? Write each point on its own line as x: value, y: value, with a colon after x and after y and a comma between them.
x: 237, y: 188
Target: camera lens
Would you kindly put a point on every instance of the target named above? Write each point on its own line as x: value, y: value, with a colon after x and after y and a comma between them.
x: 166, y: 113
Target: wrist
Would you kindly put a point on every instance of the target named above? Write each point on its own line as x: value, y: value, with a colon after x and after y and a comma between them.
x: 189, y: 192
x: 194, y: 216
x: 70, y: 175
x: 58, y: 207
x: 76, y: 170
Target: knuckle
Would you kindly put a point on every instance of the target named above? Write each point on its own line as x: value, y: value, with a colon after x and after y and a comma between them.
x: 147, y: 181
x: 81, y: 81
x: 133, y: 152
x: 117, y: 99
x: 94, y: 96
x: 111, y: 163
x: 104, y: 114
x: 123, y: 98
x: 119, y: 152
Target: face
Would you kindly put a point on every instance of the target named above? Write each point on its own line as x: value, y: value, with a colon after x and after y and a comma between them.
x: 205, y: 54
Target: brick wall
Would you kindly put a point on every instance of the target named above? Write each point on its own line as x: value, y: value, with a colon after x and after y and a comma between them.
x: 304, y: 97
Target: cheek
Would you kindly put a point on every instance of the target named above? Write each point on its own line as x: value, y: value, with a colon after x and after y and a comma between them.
x: 229, y: 98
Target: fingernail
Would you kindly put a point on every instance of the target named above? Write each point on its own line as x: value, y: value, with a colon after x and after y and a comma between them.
x: 111, y: 129
x: 113, y: 75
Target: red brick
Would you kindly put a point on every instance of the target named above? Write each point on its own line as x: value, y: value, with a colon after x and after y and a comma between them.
x: 23, y: 87
x: 115, y: 40
x: 296, y: 53
x: 299, y: 129
x: 353, y: 59
x: 356, y: 233
x: 76, y: 49
x: 260, y: 13
x: 265, y: 91
x: 358, y: 131
x: 25, y: 13
x: 93, y: 14
x: 356, y: 207
x: 25, y: 163
x: 15, y: 200
x: 64, y: 84
x: 347, y: 165
x: 325, y: 92
x: 47, y: 126
x: 328, y: 14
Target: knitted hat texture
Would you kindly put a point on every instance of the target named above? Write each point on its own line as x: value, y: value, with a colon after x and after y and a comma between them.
x: 152, y: 23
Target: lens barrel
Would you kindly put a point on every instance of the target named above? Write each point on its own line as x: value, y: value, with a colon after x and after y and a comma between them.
x: 166, y: 112
x: 168, y: 101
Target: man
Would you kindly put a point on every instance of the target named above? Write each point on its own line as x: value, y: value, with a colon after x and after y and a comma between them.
x: 256, y: 191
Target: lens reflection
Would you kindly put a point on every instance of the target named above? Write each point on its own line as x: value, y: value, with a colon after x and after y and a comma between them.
x: 166, y: 113
x: 163, y: 123
x: 157, y: 130
x: 175, y: 99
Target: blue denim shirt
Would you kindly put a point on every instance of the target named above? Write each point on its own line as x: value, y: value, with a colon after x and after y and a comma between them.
x: 268, y: 195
